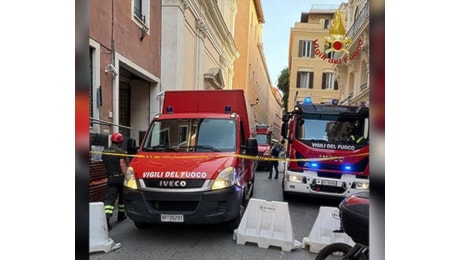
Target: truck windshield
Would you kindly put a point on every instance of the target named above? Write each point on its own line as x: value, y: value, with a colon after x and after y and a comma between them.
x: 262, y: 139
x: 332, y: 128
x: 191, y: 135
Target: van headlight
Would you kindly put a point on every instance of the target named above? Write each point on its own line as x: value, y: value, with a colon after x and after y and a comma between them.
x: 226, y: 178
x: 130, y: 180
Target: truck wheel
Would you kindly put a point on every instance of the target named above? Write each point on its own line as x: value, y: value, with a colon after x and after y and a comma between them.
x: 285, y: 194
x: 142, y: 225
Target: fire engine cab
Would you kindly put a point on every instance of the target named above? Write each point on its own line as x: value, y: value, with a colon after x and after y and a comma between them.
x: 328, y: 149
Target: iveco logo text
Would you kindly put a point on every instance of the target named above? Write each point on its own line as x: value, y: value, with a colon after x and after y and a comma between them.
x: 173, y: 184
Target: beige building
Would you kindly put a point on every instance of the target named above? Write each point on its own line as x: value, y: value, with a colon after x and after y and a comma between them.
x: 197, y: 44
x: 311, y: 67
x: 276, y: 112
x: 353, y: 75
x: 251, y: 71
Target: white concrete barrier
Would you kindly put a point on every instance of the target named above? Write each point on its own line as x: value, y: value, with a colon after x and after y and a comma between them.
x: 266, y: 223
x: 98, y: 232
x: 322, y: 232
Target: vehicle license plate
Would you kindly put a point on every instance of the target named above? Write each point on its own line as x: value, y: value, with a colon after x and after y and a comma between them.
x: 329, y: 183
x: 172, y: 218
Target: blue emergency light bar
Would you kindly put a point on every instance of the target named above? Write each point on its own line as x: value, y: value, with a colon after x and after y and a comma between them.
x: 347, y: 168
x: 307, y: 100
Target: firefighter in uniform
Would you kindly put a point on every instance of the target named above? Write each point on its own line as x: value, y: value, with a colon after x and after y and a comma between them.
x: 116, y: 167
x: 356, y: 135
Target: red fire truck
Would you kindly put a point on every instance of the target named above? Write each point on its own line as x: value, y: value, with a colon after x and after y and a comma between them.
x: 264, y: 139
x: 328, y: 149
x: 192, y: 166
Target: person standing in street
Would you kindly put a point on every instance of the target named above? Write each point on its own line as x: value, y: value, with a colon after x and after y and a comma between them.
x: 275, y: 150
x: 116, y: 167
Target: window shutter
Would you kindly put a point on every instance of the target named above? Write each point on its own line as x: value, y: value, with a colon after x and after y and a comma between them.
x: 336, y: 85
x: 323, y: 82
x: 312, y: 50
x: 300, y: 48
x: 298, y: 79
x: 310, y: 84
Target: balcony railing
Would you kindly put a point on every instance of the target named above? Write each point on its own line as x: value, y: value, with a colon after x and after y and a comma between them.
x: 361, y: 18
x: 363, y: 86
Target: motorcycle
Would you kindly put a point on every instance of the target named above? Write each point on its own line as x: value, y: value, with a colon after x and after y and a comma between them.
x: 354, y: 219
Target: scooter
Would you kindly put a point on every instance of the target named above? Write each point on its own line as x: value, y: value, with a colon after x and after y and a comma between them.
x: 354, y: 219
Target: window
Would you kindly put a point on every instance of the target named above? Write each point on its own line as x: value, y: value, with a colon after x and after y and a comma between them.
x: 305, y: 79
x: 182, y: 138
x: 191, y: 135
x: 331, y: 128
x: 329, y: 55
x: 329, y: 81
x: 326, y: 23
x: 306, y: 49
x: 141, y: 11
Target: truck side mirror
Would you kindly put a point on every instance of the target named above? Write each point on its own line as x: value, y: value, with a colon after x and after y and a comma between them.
x: 131, y: 146
x: 252, y: 147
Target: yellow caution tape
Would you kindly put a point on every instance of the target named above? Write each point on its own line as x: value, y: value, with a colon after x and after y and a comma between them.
x: 249, y: 157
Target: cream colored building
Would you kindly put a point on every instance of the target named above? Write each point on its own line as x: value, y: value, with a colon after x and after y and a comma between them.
x: 353, y: 76
x: 197, y: 44
x: 251, y: 71
x: 311, y: 68
x: 276, y: 112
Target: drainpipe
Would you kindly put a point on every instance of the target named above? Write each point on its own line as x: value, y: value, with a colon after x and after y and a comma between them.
x: 115, y: 92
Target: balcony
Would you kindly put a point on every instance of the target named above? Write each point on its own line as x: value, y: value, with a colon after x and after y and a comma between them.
x: 361, y: 18
x: 363, y: 86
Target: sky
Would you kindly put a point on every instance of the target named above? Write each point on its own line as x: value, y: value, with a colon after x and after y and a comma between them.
x: 280, y: 16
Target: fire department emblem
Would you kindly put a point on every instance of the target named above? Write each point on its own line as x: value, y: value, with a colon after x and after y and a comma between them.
x: 336, y: 37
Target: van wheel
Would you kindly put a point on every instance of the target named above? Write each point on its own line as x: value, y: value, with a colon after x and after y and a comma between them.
x: 252, y: 192
x: 235, y: 223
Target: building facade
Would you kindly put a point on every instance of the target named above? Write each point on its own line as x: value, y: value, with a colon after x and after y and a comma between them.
x: 310, y: 64
x: 353, y: 75
x: 251, y: 71
x: 125, y: 65
x: 276, y: 111
x: 198, y: 48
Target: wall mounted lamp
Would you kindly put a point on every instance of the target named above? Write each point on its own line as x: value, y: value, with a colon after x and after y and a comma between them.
x: 110, y: 68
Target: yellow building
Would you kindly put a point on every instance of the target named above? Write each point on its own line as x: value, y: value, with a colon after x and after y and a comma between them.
x: 250, y: 69
x: 311, y: 67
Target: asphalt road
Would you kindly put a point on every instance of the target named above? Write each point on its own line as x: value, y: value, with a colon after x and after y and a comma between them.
x: 213, y: 242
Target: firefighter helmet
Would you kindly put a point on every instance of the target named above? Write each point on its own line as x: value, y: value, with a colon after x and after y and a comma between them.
x: 117, y: 138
